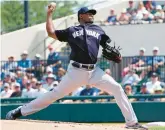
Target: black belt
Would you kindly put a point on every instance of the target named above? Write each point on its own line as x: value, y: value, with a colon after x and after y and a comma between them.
x: 78, y: 65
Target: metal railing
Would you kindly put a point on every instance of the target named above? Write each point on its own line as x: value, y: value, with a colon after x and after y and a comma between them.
x: 142, y: 68
x: 93, y: 98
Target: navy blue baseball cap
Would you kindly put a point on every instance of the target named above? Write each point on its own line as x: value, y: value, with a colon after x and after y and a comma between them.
x: 84, y: 10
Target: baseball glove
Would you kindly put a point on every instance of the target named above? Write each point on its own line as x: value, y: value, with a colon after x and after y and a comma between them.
x: 110, y: 53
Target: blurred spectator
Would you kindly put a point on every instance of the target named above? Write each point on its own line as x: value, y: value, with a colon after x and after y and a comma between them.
x: 53, y: 60
x: 37, y: 67
x: 10, y: 65
x: 24, y: 64
x: 61, y: 72
x: 6, y: 93
x: 89, y: 91
x: 159, y: 15
x: 131, y: 78
x: 39, y: 89
x: 28, y: 92
x: 147, y: 16
x: 108, y: 71
x: 123, y: 18
x: 158, y: 90
x: 155, y: 61
x: 17, y: 91
x: 19, y: 76
x: 143, y: 90
x: 129, y: 92
x: 112, y: 17
x: 49, y: 70
x: 128, y: 89
x: 153, y: 83
x: 149, y: 5
x: 23, y: 82
x: 130, y: 9
x: 33, y: 83
x: 49, y: 82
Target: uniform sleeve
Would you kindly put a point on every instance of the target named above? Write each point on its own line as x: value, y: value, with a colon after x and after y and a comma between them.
x: 62, y: 35
x: 104, y: 39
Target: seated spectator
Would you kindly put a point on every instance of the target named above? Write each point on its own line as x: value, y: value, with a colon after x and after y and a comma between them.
x: 6, y: 93
x: 17, y: 91
x: 37, y: 66
x: 53, y: 60
x: 143, y: 90
x: 61, y: 72
x: 49, y: 70
x: 10, y: 65
x: 123, y: 18
x: 149, y: 5
x: 159, y: 15
x: 28, y: 92
x: 19, y: 76
x: 151, y: 85
x: 131, y: 8
x: 111, y: 18
x: 49, y: 82
x: 147, y: 16
x: 23, y: 82
x: 33, y: 83
x: 129, y: 92
x: 89, y: 91
x: 155, y: 61
x: 158, y: 90
x: 131, y: 78
x: 137, y: 61
x: 39, y: 89
x: 24, y: 64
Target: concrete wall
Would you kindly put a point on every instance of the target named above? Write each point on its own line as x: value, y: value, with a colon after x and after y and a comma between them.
x: 132, y: 37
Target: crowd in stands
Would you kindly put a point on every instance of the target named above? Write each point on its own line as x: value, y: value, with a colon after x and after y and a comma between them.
x: 143, y: 75
x: 146, y: 12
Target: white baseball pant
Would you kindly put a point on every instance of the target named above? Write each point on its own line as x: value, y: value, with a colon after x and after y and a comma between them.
x: 76, y: 77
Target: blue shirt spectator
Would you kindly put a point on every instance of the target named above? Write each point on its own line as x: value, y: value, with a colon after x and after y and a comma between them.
x: 24, y: 63
x: 10, y: 65
x: 155, y: 60
x: 112, y: 17
x: 53, y: 56
x: 89, y: 91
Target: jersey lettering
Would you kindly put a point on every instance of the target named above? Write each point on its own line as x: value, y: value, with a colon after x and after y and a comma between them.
x: 89, y: 32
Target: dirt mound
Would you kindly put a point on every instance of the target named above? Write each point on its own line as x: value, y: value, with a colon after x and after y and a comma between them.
x: 49, y: 125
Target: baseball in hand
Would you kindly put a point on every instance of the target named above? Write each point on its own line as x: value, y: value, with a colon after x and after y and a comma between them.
x: 52, y: 6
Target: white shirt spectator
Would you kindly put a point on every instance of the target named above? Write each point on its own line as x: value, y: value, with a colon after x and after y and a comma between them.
x: 6, y: 94
x: 160, y: 15
x: 40, y: 92
x: 152, y: 86
x: 48, y: 87
x: 28, y: 94
x: 131, y: 78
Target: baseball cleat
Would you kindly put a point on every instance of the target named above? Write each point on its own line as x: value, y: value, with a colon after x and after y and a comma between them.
x: 137, y: 126
x: 14, y: 114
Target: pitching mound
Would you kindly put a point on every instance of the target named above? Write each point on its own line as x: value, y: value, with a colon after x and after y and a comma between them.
x: 48, y: 125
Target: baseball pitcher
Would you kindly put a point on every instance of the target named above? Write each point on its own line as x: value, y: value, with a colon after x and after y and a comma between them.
x: 84, y: 41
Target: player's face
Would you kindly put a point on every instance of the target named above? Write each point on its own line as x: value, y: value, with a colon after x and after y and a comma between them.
x: 88, y: 18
